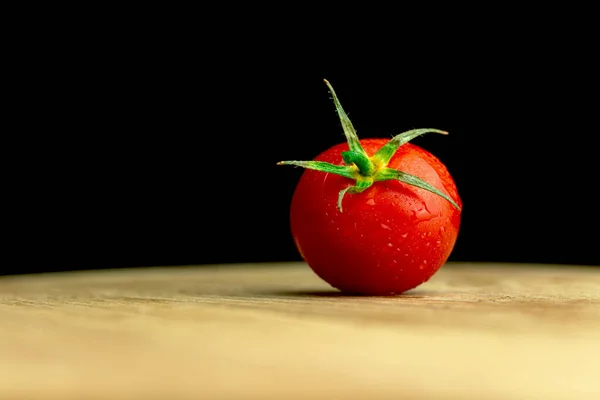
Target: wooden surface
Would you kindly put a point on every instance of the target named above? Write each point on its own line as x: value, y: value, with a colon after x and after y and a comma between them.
x: 276, y: 331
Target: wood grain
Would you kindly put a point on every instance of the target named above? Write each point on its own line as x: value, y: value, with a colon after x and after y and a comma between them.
x: 276, y: 331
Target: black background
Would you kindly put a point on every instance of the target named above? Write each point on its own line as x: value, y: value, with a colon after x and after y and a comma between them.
x: 156, y: 144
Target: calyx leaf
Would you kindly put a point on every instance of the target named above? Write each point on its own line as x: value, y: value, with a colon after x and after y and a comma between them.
x: 365, y: 170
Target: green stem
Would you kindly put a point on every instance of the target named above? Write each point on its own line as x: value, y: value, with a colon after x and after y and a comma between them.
x: 365, y: 166
x: 385, y: 153
x: 349, y: 131
x: 365, y: 170
x: 361, y: 186
x: 387, y: 174
x: 322, y: 166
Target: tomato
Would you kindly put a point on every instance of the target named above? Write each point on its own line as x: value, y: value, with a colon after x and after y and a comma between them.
x: 375, y: 216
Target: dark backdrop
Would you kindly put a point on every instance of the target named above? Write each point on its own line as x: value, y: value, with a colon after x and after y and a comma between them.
x: 148, y: 151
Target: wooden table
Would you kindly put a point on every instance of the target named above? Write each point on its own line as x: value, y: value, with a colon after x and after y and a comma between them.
x: 276, y: 331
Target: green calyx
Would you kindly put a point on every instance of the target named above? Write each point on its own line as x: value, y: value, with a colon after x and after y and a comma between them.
x: 365, y: 170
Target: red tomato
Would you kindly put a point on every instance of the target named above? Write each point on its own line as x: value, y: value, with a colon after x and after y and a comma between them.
x: 390, y: 236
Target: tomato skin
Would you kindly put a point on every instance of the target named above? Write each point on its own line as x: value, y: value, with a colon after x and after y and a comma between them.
x: 388, y: 239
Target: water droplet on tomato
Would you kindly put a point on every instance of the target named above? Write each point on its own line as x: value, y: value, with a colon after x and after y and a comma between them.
x: 384, y: 226
x: 371, y: 202
x: 438, y: 241
x: 390, y: 245
x: 423, y: 214
x: 421, y: 266
x: 404, y: 235
x: 442, y: 229
x: 395, y: 262
x: 397, y: 248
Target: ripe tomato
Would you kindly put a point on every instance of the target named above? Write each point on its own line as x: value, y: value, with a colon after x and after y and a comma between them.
x: 375, y: 218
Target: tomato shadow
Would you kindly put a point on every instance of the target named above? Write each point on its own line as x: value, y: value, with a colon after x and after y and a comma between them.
x: 411, y: 294
x: 312, y: 293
